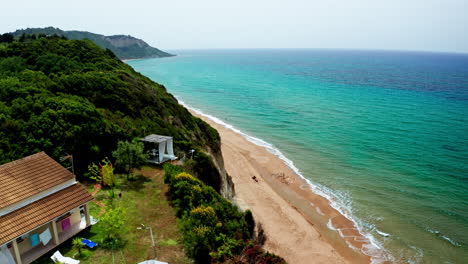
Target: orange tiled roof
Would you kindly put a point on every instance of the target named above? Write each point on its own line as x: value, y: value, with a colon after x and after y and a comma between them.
x: 42, y: 211
x: 25, y: 177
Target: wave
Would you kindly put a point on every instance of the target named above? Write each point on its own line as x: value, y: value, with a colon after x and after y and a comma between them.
x: 372, y: 249
x: 382, y: 233
x: 453, y: 242
x: 330, y: 225
x: 418, y: 255
x: 446, y: 238
x: 319, y: 211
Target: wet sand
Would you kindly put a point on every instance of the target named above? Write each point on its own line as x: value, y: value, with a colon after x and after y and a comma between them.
x: 293, y: 217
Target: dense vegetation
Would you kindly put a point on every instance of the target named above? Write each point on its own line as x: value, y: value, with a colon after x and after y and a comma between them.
x: 214, y: 230
x: 125, y: 47
x: 71, y: 96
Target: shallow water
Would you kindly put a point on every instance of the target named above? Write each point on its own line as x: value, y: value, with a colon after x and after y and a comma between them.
x: 384, y: 133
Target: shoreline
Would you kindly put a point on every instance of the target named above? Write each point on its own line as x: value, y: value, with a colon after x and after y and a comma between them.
x: 126, y: 60
x: 144, y: 58
x: 300, y: 224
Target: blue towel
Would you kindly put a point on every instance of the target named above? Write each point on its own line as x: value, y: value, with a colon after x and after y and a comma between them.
x: 34, y: 240
x: 89, y: 243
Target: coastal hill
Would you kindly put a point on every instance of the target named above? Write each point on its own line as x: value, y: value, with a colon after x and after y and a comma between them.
x: 70, y: 96
x: 66, y: 96
x: 124, y: 46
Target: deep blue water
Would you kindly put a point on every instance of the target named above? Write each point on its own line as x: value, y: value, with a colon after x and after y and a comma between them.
x: 384, y: 133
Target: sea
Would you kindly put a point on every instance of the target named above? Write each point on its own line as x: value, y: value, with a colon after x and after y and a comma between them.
x: 382, y: 134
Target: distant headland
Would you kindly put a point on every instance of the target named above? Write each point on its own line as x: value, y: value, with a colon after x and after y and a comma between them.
x: 125, y: 47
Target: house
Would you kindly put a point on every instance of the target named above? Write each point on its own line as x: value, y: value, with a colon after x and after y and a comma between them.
x: 41, y: 206
x: 160, y: 148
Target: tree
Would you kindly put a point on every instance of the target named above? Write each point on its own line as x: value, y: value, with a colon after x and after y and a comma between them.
x: 130, y: 155
x: 22, y: 37
x: 107, y: 172
x: 113, y: 224
x: 7, y: 37
x: 103, y: 174
x: 95, y: 173
x: 77, y: 244
x: 12, y: 64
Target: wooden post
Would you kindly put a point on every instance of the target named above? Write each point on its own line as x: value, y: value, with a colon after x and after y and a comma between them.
x: 87, y: 216
x: 16, y: 252
x: 55, y: 235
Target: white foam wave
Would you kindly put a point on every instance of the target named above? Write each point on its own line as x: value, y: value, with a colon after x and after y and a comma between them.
x: 382, y: 233
x: 319, y: 211
x: 352, y: 247
x: 446, y: 238
x: 417, y: 257
x: 453, y: 242
x: 330, y: 225
x: 377, y: 254
x: 342, y: 234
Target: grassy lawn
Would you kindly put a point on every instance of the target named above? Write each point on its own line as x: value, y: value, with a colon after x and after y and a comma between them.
x: 144, y: 199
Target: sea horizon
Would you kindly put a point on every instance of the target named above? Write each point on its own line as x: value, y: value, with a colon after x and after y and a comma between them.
x: 316, y: 49
x: 345, y: 166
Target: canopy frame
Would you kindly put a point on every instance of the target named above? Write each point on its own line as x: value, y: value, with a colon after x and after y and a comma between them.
x: 160, y: 148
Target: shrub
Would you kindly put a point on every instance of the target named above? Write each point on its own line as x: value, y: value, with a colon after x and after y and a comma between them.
x: 203, y: 215
x: 170, y: 171
x: 183, y: 176
x: 228, y: 249
x: 78, y: 245
x: 249, y: 220
x: 254, y: 254
x: 214, y: 229
x: 85, y: 254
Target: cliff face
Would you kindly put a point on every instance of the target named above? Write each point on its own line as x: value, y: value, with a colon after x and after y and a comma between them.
x: 70, y: 96
x: 125, y: 47
x: 226, y: 187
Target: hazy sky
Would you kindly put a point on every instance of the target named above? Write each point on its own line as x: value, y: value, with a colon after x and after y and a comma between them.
x: 430, y: 25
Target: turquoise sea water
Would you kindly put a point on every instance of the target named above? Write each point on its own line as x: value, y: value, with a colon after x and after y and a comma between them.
x: 385, y: 134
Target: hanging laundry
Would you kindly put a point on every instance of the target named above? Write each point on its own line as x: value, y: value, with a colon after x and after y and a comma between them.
x: 45, y: 236
x: 34, y: 240
x: 66, y: 224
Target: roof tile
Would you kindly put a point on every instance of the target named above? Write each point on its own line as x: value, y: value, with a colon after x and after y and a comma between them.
x: 25, y: 177
x: 42, y: 211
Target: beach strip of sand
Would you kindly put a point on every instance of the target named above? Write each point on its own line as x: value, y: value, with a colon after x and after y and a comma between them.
x: 293, y: 217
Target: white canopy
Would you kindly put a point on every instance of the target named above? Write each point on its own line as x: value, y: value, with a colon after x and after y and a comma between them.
x: 165, y: 147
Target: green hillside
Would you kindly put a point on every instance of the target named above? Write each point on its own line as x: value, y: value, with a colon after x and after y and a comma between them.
x: 125, y: 47
x: 70, y: 96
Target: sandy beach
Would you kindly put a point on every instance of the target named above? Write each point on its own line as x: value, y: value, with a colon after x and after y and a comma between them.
x: 293, y: 217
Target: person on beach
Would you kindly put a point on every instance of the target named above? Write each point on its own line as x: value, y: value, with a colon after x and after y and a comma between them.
x: 254, y: 178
